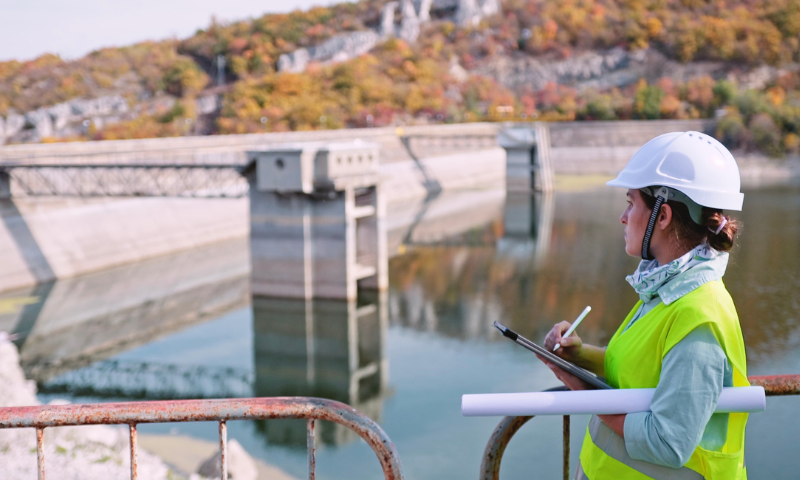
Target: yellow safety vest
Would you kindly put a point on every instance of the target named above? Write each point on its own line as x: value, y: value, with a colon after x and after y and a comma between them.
x: 634, y: 360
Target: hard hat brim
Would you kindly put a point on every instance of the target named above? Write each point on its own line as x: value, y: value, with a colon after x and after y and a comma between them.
x: 721, y: 200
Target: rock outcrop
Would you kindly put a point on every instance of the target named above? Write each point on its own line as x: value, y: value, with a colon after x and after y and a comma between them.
x: 207, y: 104
x: 63, y: 119
x: 413, y: 14
x: 240, y: 465
x: 336, y: 49
x: 585, y: 67
x: 387, y: 19
x: 14, y: 124
x: 616, y: 67
x: 85, y: 453
x: 456, y: 71
x: 410, y: 23
x: 72, y: 118
x: 424, y: 10
x: 40, y: 121
x: 470, y: 12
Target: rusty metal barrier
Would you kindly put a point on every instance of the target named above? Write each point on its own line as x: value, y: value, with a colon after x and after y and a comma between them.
x: 774, y: 385
x: 134, y: 413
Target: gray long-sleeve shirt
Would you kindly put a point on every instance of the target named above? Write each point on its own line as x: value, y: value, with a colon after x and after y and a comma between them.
x: 682, y: 411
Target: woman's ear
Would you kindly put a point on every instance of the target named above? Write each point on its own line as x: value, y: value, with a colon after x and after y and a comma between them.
x: 664, y: 217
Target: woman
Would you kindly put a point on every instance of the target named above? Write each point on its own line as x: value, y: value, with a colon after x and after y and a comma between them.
x: 683, y: 336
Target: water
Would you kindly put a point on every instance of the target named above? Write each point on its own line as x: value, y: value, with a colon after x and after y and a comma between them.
x: 407, y: 360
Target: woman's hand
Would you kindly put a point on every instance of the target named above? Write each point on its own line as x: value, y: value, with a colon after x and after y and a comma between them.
x: 574, y: 350
x: 571, y: 347
x: 569, y: 380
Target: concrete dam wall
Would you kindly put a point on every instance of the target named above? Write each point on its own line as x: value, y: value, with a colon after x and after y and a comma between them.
x: 46, y: 238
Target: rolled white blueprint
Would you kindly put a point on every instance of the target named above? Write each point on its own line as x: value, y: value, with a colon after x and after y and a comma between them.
x: 599, y: 402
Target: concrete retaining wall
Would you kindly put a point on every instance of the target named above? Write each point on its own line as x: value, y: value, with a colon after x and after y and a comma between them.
x: 605, y: 147
x: 407, y: 180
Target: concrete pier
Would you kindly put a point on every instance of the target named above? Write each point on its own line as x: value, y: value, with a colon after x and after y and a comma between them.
x: 5, y: 185
x: 528, y: 165
x: 527, y: 226
x: 320, y: 348
x: 316, y: 221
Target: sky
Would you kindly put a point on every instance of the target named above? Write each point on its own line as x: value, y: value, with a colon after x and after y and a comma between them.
x: 29, y: 28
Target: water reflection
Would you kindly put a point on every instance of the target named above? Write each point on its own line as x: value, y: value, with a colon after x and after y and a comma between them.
x: 764, y: 275
x: 470, y: 259
x: 539, y: 261
x: 526, y: 278
x: 78, y: 321
x: 527, y: 225
x: 531, y: 283
x: 333, y: 349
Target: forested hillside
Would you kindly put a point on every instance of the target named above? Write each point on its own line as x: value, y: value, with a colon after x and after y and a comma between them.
x: 536, y: 59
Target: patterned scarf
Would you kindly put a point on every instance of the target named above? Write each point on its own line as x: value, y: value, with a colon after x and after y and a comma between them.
x: 649, y: 277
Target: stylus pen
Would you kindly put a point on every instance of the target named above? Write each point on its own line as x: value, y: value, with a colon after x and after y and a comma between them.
x: 574, y: 325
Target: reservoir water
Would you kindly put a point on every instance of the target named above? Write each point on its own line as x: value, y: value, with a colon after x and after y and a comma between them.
x: 405, y: 358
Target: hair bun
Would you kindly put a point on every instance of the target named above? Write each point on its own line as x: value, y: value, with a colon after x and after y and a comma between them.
x: 721, y: 226
x: 722, y: 236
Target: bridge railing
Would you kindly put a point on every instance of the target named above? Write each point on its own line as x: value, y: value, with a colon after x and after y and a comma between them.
x: 774, y: 385
x: 123, y: 180
x: 221, y: 411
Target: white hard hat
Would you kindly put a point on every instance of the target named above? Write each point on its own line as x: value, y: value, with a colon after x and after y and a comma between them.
x: 690, y: 162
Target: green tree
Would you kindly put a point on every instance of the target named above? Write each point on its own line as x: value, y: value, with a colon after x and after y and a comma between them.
x: 724, y: 92
x: 766, y: 134
x: 648, y: 101
x: 184, y: 78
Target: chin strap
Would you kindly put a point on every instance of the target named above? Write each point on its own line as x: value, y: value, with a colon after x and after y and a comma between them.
x: 661, y: 196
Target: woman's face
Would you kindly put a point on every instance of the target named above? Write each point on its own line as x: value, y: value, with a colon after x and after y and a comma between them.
x: 635, y: 218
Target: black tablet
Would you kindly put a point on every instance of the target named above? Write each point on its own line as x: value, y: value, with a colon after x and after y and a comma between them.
x: 579, y: 372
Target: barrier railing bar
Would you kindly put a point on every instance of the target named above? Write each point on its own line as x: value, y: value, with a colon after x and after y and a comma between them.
x: 312, y: 449
x: 134, y: 452
x: 223, y: 450
x: 40, y: 451
x: 774, y: 385
x: 496, y: 446
x: 566, y: 447
x: 218, y: 410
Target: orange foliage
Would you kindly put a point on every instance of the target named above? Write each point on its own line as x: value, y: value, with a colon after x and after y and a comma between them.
x: 397, y: 83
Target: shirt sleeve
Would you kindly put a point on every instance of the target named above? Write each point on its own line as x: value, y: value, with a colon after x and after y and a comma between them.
x: 692, y: 376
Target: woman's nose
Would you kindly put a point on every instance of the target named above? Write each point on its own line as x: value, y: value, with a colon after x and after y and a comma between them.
x: 624, y: 217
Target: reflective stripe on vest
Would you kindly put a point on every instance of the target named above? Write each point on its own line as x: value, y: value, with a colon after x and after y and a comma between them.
x: 579, y: 475
x: 614, y: 446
